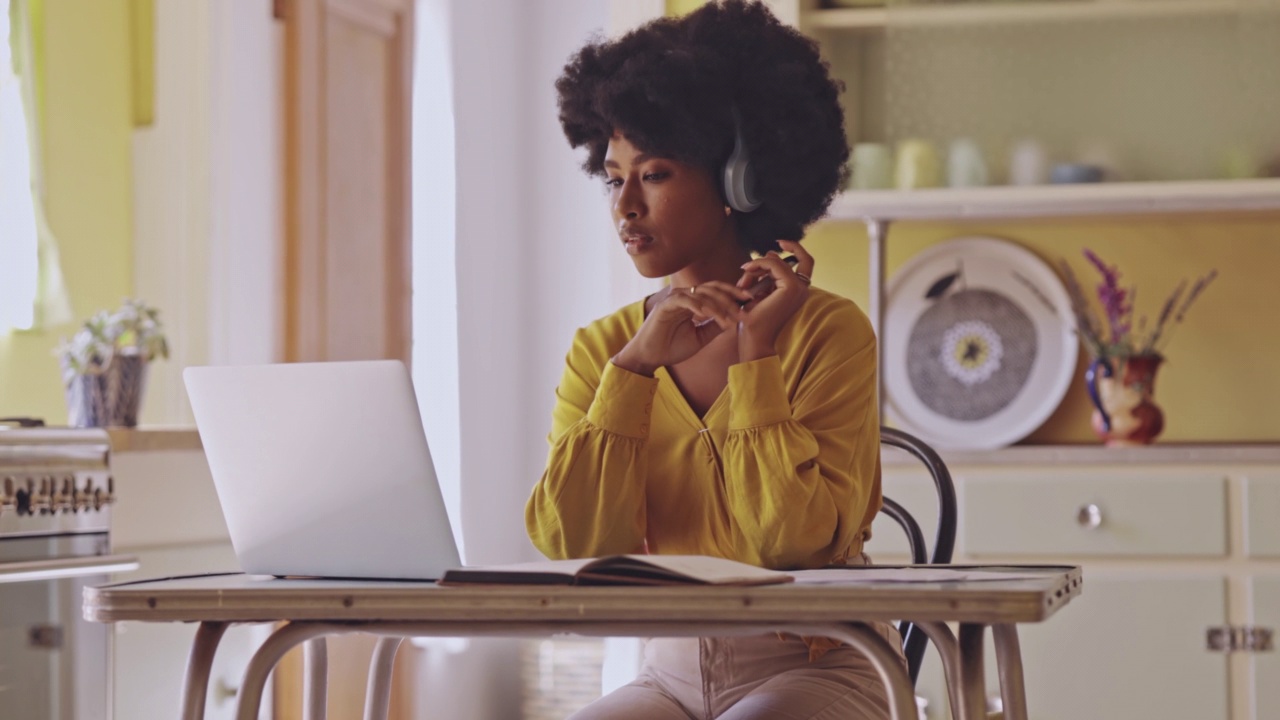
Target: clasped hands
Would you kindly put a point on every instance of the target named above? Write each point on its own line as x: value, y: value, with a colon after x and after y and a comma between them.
x: 687, y: 319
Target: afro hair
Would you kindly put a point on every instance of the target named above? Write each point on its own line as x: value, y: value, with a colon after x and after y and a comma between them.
x: 671, y: 88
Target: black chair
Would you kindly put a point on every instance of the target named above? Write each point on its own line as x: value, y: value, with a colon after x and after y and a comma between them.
x: 913, y: 639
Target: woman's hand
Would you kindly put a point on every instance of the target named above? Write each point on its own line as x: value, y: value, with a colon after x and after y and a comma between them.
x: 763, y: 320
x: 681, y: 324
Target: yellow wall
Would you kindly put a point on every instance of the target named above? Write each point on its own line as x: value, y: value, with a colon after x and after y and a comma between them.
x: 676, y: 8
x: 88, y: 117
x: 1219, y: 382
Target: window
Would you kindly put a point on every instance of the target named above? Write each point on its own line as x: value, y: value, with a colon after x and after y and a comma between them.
x: 19, y: 269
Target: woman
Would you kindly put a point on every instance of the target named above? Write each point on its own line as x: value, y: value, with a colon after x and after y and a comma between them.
x: 705, y: 420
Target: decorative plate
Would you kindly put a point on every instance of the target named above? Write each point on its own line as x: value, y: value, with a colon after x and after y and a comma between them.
x: 979, y: 344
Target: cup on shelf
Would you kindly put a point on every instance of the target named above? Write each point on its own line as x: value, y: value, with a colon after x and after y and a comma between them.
x: 918, y: 165
x: 1028, y: 163
x: 1071, y: 173
x: 965, y: 166
x: 872, y: 166
x: 1272, y: 168
x: 1239, y: 162
x: 1100, y: 154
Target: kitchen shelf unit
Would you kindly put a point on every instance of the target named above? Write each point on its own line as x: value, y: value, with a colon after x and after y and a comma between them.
x: 875, y: 49
x: 876, y: 18
x: 880, y: 208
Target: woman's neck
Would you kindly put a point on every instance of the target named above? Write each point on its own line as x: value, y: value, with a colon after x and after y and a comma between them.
x: 725, y: 266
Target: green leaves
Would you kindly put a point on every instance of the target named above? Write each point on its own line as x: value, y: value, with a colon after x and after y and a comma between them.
x: 133, y: 330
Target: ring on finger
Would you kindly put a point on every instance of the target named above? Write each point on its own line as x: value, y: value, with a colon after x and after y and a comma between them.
x: 804, y: 278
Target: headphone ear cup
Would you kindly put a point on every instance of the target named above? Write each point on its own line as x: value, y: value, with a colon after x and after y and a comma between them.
x: 740, y: 179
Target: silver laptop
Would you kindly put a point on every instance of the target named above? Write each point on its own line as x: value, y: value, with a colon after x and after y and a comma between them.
x: 322, y: 469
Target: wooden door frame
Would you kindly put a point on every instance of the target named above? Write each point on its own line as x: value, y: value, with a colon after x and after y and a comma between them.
x: 305, y: 182
x: 305, y: 241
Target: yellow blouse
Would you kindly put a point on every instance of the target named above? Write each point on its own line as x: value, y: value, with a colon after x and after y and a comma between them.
x: 783, y: 471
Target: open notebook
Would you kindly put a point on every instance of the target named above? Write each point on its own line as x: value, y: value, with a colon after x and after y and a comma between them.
x: 620, y: 570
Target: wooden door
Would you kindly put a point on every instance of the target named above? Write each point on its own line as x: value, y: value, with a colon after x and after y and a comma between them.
x: 347, y: 128
x: 347, y: 80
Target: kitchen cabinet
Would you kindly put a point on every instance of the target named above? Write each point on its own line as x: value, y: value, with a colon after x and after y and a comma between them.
x: 1178, y: 545
x: 1265, y: 670
x: 167, y: 514
x: 1132, y: 646
x: 151, y: 658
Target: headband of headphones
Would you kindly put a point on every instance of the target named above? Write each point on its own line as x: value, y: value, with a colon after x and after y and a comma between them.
x: 739, y: 175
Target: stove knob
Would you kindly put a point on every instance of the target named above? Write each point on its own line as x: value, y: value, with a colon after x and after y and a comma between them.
x: 6, y: 494
x: 36, y: 494
x: 66, y: 496
x: 50, y: 495
x: 82, y: 497
x: 22, y: 499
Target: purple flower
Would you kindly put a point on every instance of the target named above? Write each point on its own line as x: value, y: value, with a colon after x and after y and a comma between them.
x: 1117, y: 336
x: 1113, y: 297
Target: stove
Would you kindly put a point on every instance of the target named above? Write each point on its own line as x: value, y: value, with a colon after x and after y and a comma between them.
x: 56, y: 493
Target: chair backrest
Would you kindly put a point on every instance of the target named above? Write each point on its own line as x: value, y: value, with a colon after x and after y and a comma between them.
x: 944, y: 542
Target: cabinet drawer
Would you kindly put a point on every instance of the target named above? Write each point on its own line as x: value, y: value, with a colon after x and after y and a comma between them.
x: 1054, y: 514
x: 1262, y: 503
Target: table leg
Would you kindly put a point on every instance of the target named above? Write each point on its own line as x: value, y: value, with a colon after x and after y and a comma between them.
x: 884, y: 658
x: 199, y: 663
x: 972, y: 680
x: 265, y: 659
x: 377, y: 698
x: 1009, y: 663
x: 949, y: 650
x: 315, y: 679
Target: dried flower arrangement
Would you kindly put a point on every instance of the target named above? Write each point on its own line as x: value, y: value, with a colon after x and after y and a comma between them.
x: 132, y: 331
x: 1115, y: 335
x: 104, y: 365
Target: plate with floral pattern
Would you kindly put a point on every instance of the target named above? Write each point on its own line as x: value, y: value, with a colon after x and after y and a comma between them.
x: 979, y: 346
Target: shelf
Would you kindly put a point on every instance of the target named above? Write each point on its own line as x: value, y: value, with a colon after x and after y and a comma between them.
x: 1157, y: 454
x: 1137, y: 198
x: 154, y: 439
x: 1007, y: 13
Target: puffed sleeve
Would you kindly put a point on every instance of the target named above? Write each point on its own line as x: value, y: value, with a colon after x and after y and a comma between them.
x: 590, y: 500
x: 801, y: 464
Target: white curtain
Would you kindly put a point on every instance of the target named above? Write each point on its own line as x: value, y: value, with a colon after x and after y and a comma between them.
x: 19, y: 241
x: 32, y: 292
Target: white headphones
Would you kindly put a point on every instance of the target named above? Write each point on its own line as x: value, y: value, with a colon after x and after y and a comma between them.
x: 739, y: 176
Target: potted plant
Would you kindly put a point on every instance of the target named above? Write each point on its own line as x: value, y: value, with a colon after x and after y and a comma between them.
x: 1124, y: 356
x: 104, y: 365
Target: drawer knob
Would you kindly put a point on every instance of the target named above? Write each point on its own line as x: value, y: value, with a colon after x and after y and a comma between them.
x: 1089, y: 516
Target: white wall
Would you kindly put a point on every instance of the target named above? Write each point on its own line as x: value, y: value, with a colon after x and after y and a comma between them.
x: 171, y: 203
x: 207, y: 202
x: 513, y: 250
x: 512, y: 243
x: 533, y: 253
x: 513, y: 246
x: 578, y: 270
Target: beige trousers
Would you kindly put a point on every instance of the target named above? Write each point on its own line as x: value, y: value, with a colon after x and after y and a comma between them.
x: 745, y: 678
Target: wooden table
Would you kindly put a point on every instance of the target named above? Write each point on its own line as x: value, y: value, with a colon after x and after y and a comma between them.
x: 312, y: 609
